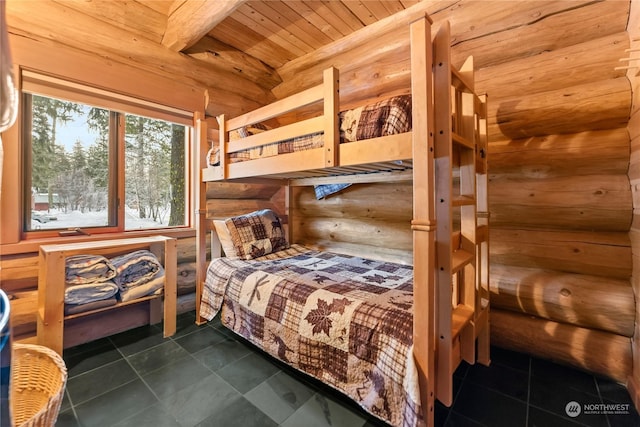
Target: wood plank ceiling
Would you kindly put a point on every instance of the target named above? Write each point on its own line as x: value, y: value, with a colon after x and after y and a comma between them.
x: 248, y: 38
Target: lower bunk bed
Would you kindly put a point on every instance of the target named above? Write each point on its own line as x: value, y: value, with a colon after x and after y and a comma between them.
x: 344, y: 320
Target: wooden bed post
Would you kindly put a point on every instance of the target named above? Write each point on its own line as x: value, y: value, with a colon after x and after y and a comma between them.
x: 331, y: 109
x: 200, y: 209
x: 482, y: 302
x: 222, y: 147
x: 423, y: 223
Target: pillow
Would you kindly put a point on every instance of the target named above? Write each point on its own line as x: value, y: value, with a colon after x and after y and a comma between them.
x: 256, y: 234
x: 213, y: 156
x: 388, y: 117
x: 225, y: 238
x: 246, y: 131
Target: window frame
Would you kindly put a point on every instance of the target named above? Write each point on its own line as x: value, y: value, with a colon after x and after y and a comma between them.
x: 37, y: 83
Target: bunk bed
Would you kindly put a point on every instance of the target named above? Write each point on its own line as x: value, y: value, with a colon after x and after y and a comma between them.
x: 444, y: 293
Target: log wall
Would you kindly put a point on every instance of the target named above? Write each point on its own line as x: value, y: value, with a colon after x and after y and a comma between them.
x: 634, y: 177
x: 561, y: 200
x: 559, y: 195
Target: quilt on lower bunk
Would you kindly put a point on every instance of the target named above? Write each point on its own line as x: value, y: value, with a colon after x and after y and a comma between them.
x: 344, y: 320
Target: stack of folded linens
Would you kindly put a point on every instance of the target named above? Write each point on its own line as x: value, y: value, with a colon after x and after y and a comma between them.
x: 89, y: 283
x: 138, y: 274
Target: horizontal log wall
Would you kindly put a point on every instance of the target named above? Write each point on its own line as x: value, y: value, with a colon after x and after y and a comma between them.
x: 560, y: 202
x: 229, y: 199
x: 634, y: 176
x: 371, y: 220
x: 559, y: 195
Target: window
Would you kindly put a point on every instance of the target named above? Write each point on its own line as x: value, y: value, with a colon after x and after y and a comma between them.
x: 97, y: 163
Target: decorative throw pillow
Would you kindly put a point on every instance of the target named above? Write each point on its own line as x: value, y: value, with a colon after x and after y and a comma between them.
x: 256, y: 234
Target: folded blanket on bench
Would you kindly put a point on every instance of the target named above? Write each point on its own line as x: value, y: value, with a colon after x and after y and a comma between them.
x: 135, y: 269
x: 154, y: 286
x: 83, y: 269
x: 82, y: 294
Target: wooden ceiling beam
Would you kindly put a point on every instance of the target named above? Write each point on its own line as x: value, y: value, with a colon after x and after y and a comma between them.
x: 189, y: 21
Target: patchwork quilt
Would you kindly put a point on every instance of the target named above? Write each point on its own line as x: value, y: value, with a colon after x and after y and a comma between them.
x: 344, y: 320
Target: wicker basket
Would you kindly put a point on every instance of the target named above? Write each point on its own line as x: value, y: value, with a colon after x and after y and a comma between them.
x: 38, y: 379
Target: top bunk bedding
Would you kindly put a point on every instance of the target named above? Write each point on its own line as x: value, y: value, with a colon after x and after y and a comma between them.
x: 391, y: 116
x: 257, y: 144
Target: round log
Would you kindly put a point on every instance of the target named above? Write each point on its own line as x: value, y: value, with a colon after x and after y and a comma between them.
x: 598, y: 352
x: 586, y: 301
x: 186, y: 278
x: 603, y: 104
x: 591, y: 253
x: 389, y: 202
x: 186, y: 303
x: 225, y: 208
x: 382, y: 233
x: 590, y: 202
x: 578, y: 24
x: 555, y: 69
x: 604, y: 152
x: 230, y: 190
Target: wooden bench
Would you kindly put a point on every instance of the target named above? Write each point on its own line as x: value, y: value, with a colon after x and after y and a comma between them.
x: 51, y: 285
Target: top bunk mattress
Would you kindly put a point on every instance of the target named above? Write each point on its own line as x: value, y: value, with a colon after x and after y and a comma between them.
x: 344, y: 320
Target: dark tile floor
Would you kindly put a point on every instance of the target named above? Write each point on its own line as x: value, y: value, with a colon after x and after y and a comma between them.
x: 204, y: 376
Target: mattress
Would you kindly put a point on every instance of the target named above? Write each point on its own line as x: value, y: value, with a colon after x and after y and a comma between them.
x: 344, y: 320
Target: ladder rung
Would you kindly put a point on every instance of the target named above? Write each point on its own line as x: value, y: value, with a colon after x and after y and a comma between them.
x: 465, y: 142
x: 460, y: 259
x: 462, y: 315
x: 463, y: 201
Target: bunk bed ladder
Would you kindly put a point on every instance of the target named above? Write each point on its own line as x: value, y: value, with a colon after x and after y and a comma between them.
x: 457, y: 233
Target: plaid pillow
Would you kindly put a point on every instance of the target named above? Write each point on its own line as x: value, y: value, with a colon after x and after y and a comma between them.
x: 383, y: 118
x: 256, y: 234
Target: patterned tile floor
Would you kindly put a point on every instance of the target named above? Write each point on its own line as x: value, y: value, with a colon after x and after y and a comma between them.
x: 204, y: 376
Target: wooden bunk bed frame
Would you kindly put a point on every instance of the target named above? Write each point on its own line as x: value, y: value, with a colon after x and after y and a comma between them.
x: 445, y: 155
